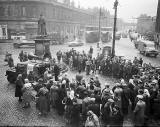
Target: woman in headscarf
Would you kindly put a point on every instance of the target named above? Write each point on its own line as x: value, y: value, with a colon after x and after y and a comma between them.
x: 54, y: 94
x: 146, y: 98
x: 19, y: 86
x: 116, y: 118
x: 107, y: 111
x: 43, y: 101
x: 92, y: 120
x: 118, y: 97
x: 27, y: 93
x: 139, y: 112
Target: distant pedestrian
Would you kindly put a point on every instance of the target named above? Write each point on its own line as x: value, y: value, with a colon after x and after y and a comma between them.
x: 19, y: 86
x: 10, y: 61
x: 59, y: 56
x: 141, y: 61
x: 56, y: 72
x: 21, y: 54
x: 90, y: 52
x: 25, y: 57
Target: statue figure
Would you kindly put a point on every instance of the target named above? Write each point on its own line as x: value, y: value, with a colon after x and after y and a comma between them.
x: 42, y: 26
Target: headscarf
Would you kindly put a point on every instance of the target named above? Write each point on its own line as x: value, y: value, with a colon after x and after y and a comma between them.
x: 146, y: 92
x: 140, y: 97
x: 27, y: 84
x: 19, y: 77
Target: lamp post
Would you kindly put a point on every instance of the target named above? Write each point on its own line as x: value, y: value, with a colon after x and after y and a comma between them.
x: 114, y: 28
x: 100, y: 25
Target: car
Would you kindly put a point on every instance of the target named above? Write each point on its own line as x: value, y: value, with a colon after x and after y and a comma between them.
x: 147, y: 48
x: 118, y: 36
x: 75, y: 43
x: 24, y: 42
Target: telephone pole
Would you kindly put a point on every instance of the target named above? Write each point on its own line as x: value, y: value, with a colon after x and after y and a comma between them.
x: 114, y: 28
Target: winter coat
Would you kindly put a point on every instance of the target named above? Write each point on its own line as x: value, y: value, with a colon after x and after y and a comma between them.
x: 18, y: 90
x: 139, y: 113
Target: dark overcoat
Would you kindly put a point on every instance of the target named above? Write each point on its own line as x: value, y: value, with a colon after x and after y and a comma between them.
x: 18, y: 90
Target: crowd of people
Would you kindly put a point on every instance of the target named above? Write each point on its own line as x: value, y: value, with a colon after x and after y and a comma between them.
x: 117, y: 67
x: 88, y: 103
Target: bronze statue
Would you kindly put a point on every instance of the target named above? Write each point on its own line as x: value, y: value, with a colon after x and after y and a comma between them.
x: 42, y: 26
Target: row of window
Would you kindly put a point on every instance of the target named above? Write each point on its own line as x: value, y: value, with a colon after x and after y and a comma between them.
x: 49, y: 11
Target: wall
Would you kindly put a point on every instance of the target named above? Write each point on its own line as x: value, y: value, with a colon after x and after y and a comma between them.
x: 22, y: 16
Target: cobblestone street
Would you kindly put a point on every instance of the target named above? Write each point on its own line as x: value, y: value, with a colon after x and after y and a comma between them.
x: 11, y: 111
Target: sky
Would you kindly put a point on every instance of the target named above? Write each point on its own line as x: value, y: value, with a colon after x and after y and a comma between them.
x: 127, y: 9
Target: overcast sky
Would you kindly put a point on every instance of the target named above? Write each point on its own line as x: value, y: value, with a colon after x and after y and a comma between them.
x: 126, y: 9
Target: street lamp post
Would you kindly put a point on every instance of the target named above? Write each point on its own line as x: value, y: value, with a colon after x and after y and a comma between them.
x: 114, y: 28
x: 100, y: 25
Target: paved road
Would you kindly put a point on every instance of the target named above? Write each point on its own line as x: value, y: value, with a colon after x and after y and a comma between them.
x: 11, y: 112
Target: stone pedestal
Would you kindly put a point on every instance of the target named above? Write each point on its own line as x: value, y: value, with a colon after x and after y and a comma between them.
x: 42, y: 46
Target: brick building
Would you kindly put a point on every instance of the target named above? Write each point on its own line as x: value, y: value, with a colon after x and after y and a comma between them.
x: 22, y: 16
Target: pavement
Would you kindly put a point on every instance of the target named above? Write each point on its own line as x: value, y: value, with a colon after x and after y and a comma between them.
x: 11, y: 111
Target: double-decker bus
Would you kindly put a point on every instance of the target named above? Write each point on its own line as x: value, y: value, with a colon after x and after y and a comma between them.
x: 91, y: 34
x: 106, y: 34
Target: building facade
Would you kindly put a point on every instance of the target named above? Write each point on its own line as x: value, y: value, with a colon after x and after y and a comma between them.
x: 145, y: 24
x: 21, y: 16
x: 157, y: 26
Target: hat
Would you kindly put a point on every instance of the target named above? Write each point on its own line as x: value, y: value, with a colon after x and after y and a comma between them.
x: 131, y: 81
x: 140, y: 91
x: 26, y: 81
x: 155, y: 81
x: 110, y: 100
x: 122, y: 81
x: 140, y: 97
x: 27, y: 85
x: 64, y: 82
x: 96, y: 76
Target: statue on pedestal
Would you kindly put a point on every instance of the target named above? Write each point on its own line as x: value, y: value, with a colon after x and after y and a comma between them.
x: 42, y: 43
x: 42, y: 26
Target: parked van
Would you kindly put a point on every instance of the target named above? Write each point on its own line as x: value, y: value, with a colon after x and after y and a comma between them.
x: 147, y: 48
